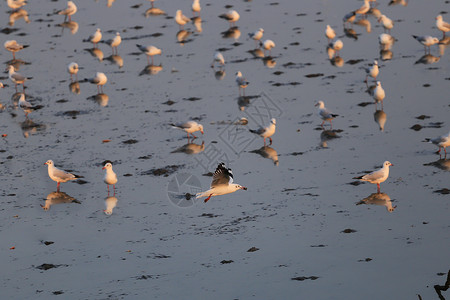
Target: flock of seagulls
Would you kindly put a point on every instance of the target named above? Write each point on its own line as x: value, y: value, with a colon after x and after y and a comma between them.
x: 222, y: 182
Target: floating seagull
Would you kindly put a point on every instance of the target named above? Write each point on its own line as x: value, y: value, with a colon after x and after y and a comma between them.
x: 72, y: 68
x: 241, y: 82
x: 196, y: 8
x: 150, y: 51
x: 442, y: 141
x: 218, y: 57
x: 110, y: 177
x: 13, y: 46
x: 69, y: 11
x: 388, y: 24
x: 349, y: 18
x: 95, y: 37
x: 221, y: 184
x: 364, y: 9
x: 266, y: 132
x: 16, y: 4
x: 325, y: 114
x: 16, y: 77
x: 268, y: 45
x: 372, y: 71
x: 330, y: 33
x: 257, y: 35
x: 442, y: 25
x: 100, y: 79
x: 189, y: 127
x: 181, y: 19
x: 426, y: 41
x: 25, y: 105
x: 58, y: 175
x: 379, y: 94
x: 231, y: 16
x: 337, y: 46
x: 378, y: 176
x: 115, y: 42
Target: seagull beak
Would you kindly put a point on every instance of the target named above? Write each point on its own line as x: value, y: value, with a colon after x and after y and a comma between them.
x: 392, y: 165
x: 103, y: 168
x: 45, y: 164
x: 244, y: 188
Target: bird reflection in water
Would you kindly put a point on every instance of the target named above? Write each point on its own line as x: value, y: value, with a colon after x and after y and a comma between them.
x: 116, y: 59
x: 379, y: 199
x: 328, y: 135
x: 154, y: 11
x: 257, y: 53
x: 16, y: 15
x: 428, y: 59
x: 101, y: 99
x: 151, y: 70
x: 220, y: 74
x: 269, y: 62
x: 29, y: 127
x: 232, y: 33
x: 182, y: 37
x: 350, y: 33
x: 268, y: 152
x: 97, y: 53
x: 197, y: 21
x: 380, y: 118
x: 364, y: 23
x: 442, y: 164
x: 71, y: 25
x: 110, y: 203
x: 337, y: 61
x: 190, y: 148
x: 74, y: 87
x: 58, y: 198
x: 243, y: 102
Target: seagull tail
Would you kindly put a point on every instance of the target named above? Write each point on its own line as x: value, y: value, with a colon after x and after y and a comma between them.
x: 358, y: 177
x: 200, y: 195
x: 414, y: 36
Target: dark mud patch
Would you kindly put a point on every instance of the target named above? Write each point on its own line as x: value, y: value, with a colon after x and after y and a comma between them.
x: 223, y: 262
x: 253, y: 249
x: 46, y: 267
x: 348, y: 230
x: 418, y: 127
x: 146, y: 277
x: 364, y: 104
x: 303, y: 278
x: 365, y: 259
x: 130, y: 142
x: 165, y: 171
x: 314, y: 75
x: 209, y: 215
x: 192, y: 99
x: 443, y: 191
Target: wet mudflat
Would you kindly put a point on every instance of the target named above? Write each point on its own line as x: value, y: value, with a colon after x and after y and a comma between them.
x: 303, y: 229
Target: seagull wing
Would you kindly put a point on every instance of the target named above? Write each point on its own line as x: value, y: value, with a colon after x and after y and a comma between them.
x: 222, y: 176
x: 63, y: 174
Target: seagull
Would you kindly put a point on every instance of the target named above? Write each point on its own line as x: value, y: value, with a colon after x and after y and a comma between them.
x: 330, y: 33
x: 189, y: 127
x: 100, y: 79
x: 442, y: 25
x: 349, y: 18
x: 13, y: 46
x: 25, y: 105
x: 442, y: 141
x: 231, y: 16
x: 221, y: 184
x: 150, y: 51
x: 16, y: 77
x: 337, y: 46
x: 268, y: 45
x: 218, y: 57
x: 115, y: 42
x: 58, y: 175
x: 379, y: 94
x: 266, y: 132
x: 426, y: 41
x: 69, y: 11
x: 196, y: 8
x: 181, y: 19
x: 364, y: 8
x: 378, y: 176
x: 95, y: 37
x: 386, y: 41
x: 372, y: 71
x: 16, y: 4
x: 257, y: 35
x: 72, y: 68
x: 388, y: 24
x: 110, y: 177
x: 241, y: 82
x: 325, y: 114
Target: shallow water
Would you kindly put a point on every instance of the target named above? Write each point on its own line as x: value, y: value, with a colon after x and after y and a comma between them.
x: 303, y: 215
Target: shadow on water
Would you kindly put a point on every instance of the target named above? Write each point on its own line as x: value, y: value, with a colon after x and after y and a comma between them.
x: 381, y: 199
x: 268, y: 152
x: 110, y: 204
x: 190, y: 148
x: 58, y: 198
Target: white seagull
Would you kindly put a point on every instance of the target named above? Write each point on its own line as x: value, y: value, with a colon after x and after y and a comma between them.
x: 115, y: 42
x: 25, y: 105
x: 95, y: 37
x: 388, y: 24
x: 379, y: 94
x: 324, y: 113
x: 241, y: 82
x: 16, y: 4
x: 221, y: 184
x: 330, y: 33
x: 150, y: 51
x: 267, y: 46
x: 100, y: 79
x: 13, y: 46
x: 364, y: 9
x: 16, y: 77
x: 442, y: 141
x: 196, y: 8
x: 266, y: 132
x: 72, y: 68
x: 378, y: 176
x: 442, y: 25
x: 58, y: 175
x: 372, y: 71
x: 257, y: 35
x: 218, y: 57
x: 69, y: 11
x: 110, y: 176
x: 189, y: 127
x: 181, y: 19
x: 426, y: 41
x: 231, y: 16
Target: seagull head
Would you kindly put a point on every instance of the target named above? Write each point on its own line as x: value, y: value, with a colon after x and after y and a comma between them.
x: 375, y: 62
x: 439, y: 17
x: 273, y: 121
x: 387, y: 164
x: 240, y: 187
x: 49, y: 162
x: 262, y: 30
x: 107, y: 166
x: 320, y: 104
x: 238, y: 74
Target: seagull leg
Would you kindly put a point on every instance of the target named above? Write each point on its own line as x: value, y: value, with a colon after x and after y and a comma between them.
x: 206, y: 200
x: 378, y: 188
x: 322, y: 124
x: 193, y: 135
x: 331, y: 124
x: 57, y: 187
x: 270, y: 140
x: 264, y: 142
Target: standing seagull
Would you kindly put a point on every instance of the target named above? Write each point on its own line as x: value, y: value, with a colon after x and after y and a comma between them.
x: 325, y: 114
x: 196, y: 8
x: 58, y: 175
x: 221, y: 184
x: 218, y: 57
x: 442, y: 141
x: 16, y: 77
x: 267, y: 46
x: 72, y: 68
x: 189, y: 127
x: 181, y: 19
x: 110, y: 176
x: 115, y: 42
x: 16, y: 4
x: 372, y: 71
x: 388, y: 24
x: 427, y: 41
x: 330, y: 33
x: 231, y: 16
x: 378, y: 176
x: 442, y: 25
x: 13, y: 46
x: 364, y: 9
x: 241, y: 82
x: 25, y: 105
x: 266, y: 132
x: 95, y: 37
x: 150, y: 51
x: 257, y: 35
x: 379, y: 94
x: 69, y: 11
x: 100, y: 79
